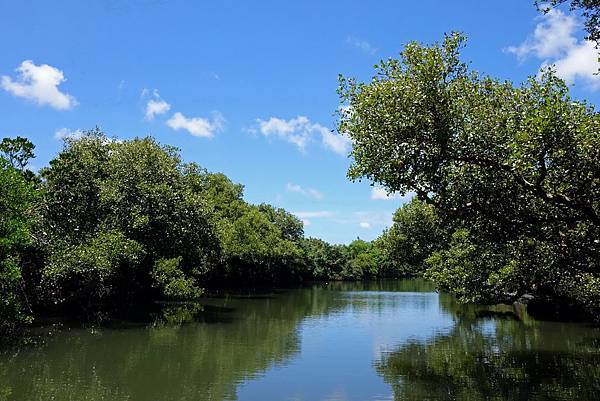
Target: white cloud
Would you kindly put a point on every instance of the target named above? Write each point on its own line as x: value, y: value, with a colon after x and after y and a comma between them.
x: 339, y: 143
x: 314, y: 193
x: 297, y: 130
x: 294, y: 188
x: 301, y: 131
x: 313, y: 215
x: 197, y: 126
x: 39, y: 83
x: 554, y: 42
x: 379, y: 193
x: 364, y: 224
x: 551, y: 37
x: 580, y: 62
x: 64, y: 133
x: 310, y: 192
x: 360, y: 44
x: 155, y: 106
x: 306, y: 216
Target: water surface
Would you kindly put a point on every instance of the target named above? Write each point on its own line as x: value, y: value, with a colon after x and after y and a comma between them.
x: 391, y: 340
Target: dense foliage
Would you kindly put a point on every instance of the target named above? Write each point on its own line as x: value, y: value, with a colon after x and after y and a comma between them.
x: 507, y: 184
x: 110, y: 225
x: 16, y: 218
x: 414, y: 235
x: 512, y: 172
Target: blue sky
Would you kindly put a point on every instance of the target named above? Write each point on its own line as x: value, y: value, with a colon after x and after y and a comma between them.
x: 249, y: 88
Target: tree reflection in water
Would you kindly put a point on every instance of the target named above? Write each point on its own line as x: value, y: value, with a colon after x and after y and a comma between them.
x: 189, y: 352
x: 311, y: 343
x: 491, y: 354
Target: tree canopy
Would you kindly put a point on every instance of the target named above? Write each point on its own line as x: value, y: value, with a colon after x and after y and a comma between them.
x: 111, y: 225
x: 512, y: 171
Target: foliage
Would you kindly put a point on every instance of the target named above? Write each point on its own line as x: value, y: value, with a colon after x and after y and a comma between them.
x: 323, y: 261
x: 95, y: 271
x: 414, y: 235
x: 516, y: 166
x: 257, y: 246
x: 114, y: 211
x: 362, y: 260
x: 16, y: 151
x: 172, y: 281
x: 17, y: 196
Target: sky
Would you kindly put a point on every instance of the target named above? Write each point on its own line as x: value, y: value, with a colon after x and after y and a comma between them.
x: 249, y: 88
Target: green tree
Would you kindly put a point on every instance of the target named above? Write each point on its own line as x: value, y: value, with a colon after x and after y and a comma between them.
x: 17, y: 151
x: 257, y: 250
x: 290, y: 226
x: 516, y: 166
x: 88, y: 275
x: 17, y: 198
x: 362, y: 260
x: 115, y: 214
x: 323, y: 261
x: 414, y: 235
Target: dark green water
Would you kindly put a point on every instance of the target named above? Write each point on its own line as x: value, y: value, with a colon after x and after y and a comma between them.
x: 364, y: 341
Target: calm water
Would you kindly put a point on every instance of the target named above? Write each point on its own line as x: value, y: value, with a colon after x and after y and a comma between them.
x: 366, y: 341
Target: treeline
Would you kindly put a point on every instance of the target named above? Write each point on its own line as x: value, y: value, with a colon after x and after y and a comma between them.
x: 110, y: 225
x: 507, y: 177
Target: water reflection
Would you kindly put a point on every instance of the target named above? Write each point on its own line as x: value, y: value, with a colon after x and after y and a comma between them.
x: 339, y: 341
x: 230, y: 341
x: 496, y: 354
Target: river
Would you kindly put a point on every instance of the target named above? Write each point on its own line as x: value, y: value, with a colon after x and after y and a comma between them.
x: 389, y: 340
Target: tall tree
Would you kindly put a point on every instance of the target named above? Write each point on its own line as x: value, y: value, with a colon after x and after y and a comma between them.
x: 17, y: 196
x: 17, y: 151
x: 517, y: 167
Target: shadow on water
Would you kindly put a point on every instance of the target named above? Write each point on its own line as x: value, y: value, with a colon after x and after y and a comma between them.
x: 432, y: 347
x: 496, y: 353
x: 176, y: 357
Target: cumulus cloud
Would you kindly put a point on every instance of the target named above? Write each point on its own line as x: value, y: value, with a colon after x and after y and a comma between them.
x: 197, y: 126
x: 360, y: 44
x: 297, y: 130
x: 580, y: 62
x: 554, y: 42
x: 300, y: 131
x: 309, y: 192
x: 364, y: 224
x: 155, y: 106
x: 39, y: 83
x: 339, y: 143
x: 379, y: 193
x: 67, y: 133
